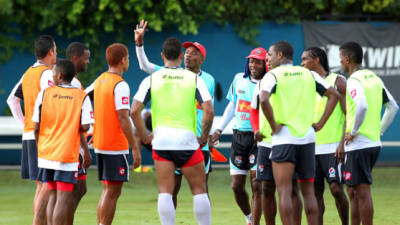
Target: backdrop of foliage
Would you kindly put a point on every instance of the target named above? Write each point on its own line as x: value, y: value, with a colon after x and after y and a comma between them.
x: 92, y: 20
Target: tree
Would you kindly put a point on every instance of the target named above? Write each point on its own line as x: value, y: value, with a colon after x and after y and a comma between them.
x: 92, y: 20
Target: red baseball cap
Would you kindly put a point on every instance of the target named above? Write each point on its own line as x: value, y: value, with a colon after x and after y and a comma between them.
x: 258, y: 53
x: 197, y: 45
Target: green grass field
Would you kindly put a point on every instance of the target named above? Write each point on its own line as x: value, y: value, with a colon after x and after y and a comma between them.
x: 138, y: 202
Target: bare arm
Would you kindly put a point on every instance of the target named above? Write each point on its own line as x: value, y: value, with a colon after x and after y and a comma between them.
x: 341, y: 88
x: 268, y: 112
x: 36, y: 132
x: 123, y: 117
x: 138, y: 121
x: 207, y: 121
x: 333, y: 96
x: 144, y: 63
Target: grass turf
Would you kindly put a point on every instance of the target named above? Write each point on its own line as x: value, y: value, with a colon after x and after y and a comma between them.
x: 138, y: 202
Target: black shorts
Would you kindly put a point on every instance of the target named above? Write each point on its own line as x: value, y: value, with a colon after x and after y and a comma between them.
x: 264, y: 164
x: 243, y: 151
x: 29, y: 160
x: 359, y: 164
x: 112, y: 167
x: 303, y: 156
x: 326, y: 166
x: 181, y: 158
x: 207, y: 163
x: 81, y: 170
x: 58, y: 175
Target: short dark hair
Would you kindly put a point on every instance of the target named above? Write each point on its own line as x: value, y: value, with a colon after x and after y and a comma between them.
x: 66, y: 68
x: 285, y: 48
x: 353, y: 50
x: 43, y: 44
x: 115, y: 53
x: 172, y: 48
x: 316, y: 52
x: 76, y: 49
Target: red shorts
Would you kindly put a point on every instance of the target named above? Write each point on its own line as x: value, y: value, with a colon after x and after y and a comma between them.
x: 60, y: 186
x: 179, y: 157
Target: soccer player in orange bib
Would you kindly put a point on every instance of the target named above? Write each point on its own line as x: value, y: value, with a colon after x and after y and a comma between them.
x: 61, y: 114
x: 37, y: 77
x: 79, y: 55
x: 112, y: 132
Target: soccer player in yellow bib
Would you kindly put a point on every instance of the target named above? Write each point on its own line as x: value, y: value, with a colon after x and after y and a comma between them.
x: 329, y: 149
x: 366, y: 94
x: 173, y: 92
x: 293, y: 89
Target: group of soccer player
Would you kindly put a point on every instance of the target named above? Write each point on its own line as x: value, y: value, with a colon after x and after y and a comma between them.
x: 313, y: 125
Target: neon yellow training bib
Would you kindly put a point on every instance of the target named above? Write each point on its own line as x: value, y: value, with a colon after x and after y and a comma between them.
x: 294, y: 100
x: 173, y: 99
x: 332, y: 132
x: 373, y: 87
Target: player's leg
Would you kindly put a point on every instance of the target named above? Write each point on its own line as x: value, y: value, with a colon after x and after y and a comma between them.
x: 194, y: 172
x: 319, y: 194
x: 333, y: 176
x: 165, y: 175
x: 256, y: 198
x: 349, y: 176
x: 64, y: 207
x: 365, y: 204
x: 297, y: 203
x: 52, y: 190
x: 80, y: 188
x: 114, y: 171
x: 255, y: 184
x: 30, y: 170
x: 341, y: 201
x: 354, y: 210
x: 283, y: 173
x: 48, y: 176
x: 310, y: 202
x: 366, y: 161
x: 305, y: 168
x: 283, y: 159
x: 111, y: 193
x: 238, y: 183
x: 40, y: 203
x: 177, y: 186
x: 319, y: 186
x: 269, y: 201
x: 265, y: 176
x: 208, y: 169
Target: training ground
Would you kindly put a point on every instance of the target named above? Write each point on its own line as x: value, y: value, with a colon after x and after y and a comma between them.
x: 138, y: 202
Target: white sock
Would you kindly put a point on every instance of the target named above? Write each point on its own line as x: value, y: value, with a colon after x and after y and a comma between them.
x: 249, y: 219
x: 202, y: 209
x: 166, y: 209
